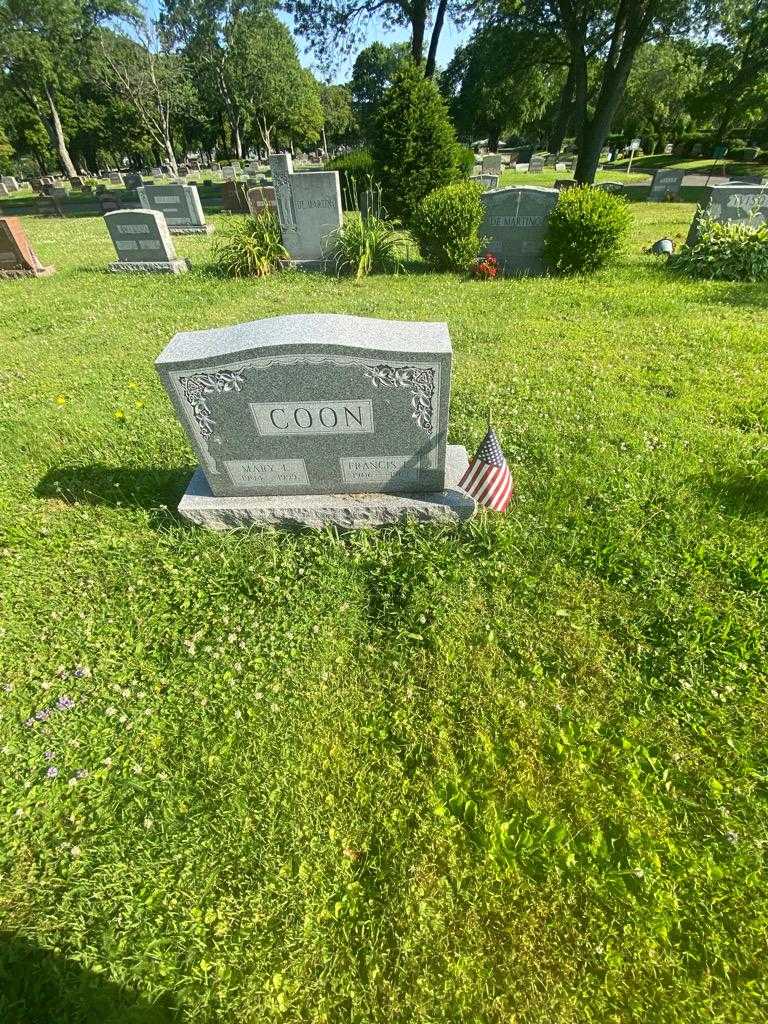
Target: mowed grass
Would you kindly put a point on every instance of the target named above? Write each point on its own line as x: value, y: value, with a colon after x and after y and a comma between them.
x: 508, y: 772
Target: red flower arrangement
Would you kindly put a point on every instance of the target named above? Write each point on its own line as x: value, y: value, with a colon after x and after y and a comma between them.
x: 486, y: 267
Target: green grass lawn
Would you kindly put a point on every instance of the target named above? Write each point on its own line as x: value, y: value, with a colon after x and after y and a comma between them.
x: 697, y: 165
x: 510, y: 772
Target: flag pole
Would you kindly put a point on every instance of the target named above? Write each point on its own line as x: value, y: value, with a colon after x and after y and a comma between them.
x: 489, y: 417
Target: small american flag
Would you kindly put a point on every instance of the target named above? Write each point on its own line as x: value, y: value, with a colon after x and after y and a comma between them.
x: 488, y: 479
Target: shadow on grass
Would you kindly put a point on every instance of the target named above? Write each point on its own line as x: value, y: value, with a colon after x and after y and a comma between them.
x: 747, y: 293
x: 740, y: 493
x: 149, y: 488
x: 38, y: 986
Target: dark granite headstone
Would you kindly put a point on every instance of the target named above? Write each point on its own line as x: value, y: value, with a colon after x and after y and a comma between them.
x: 666, y: 185
x: 515, y: 223
x: 745, y: 204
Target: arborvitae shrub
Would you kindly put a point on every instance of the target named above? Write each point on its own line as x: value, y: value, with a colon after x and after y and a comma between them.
x: 356, y: 174
x: 414, y: 144
x: 446, y: 223
x: 725, y: 252
x: 465, y: 161
x: 586, y: 230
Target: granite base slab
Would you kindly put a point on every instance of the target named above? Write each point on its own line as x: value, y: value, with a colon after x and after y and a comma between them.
x: 157, y: 267
x: 346, y: 511
x: 192, y: 229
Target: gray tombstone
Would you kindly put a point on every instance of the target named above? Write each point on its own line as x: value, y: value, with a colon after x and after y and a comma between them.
x: 3, y: 190
x: 133, y: 180
x: 744, y: 204
x: 536, y: 164
x: 183, y: 170
x: 143, y: 242
x: 316, y: 419
x: 10, y: 183
x: 228, y: 173
x: 486, y: 180
x: 180, y: 204
x: 666, y: 185
x: 309, y: 210
x: 515, y: 223
x: 116, y: 178
x: 617, y: 187
x: 157, y: 172
x: 491, y: 164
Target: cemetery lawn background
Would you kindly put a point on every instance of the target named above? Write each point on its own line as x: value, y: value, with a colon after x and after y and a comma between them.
x: 514, y: 771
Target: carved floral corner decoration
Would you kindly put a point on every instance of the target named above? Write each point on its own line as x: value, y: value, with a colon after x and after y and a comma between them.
x: 421, y: 383
x: 197, y: 387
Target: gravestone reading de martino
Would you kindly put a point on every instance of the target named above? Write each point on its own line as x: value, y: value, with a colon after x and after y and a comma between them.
x: 180, y: 205
x: 17, y: 257
x: 143, y: 243
x: 515, y: 223
x: 317, y: 419
x: 308, y: 208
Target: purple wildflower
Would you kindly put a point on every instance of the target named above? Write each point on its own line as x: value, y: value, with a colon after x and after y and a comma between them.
x: 49, y: 755
x: 65, y: 703
x: 52, y: 772
x: 43, y: 715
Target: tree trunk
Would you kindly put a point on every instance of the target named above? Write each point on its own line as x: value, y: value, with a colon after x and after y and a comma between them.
x: 237, y: 141
x: 564, y: 114
x: 493, y: 139
x: 57, y: 135
x: 418, y: 27
x: 170, y: 156
x: 437, y: 28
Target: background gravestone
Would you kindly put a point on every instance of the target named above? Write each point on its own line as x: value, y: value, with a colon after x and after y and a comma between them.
x: 309, y: 209
x: 491, y: 164
x: 17, y: 257
x: 515, y: 223
x: 3, y: 189
x: 666, y: 184
x: 746, y: 204
x: 142, y: 242
x: 536, y: 164
x: 10, y: 183
x: 133, y: 180
x: 180, y: 205
x: 116, y: 178
x: 260, y: 199
x: 313, y: 405
x: 234, y: 198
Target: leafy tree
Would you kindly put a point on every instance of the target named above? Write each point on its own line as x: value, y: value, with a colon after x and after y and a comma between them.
x: 372, y: 74
x: 502, y: 81
x: 663, y: 78
x: 42, y: 43
x: 737, y: 64
x: 336, y: 27
x: 339, y: 123
x: 413, y: 144
x: 147, y: 76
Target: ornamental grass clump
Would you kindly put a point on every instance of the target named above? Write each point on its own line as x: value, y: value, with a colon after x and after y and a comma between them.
x: 367, y: 242
x: 730, y: 251
x: 253, y: 247
x: 587, y: 230
x: 446, y: 224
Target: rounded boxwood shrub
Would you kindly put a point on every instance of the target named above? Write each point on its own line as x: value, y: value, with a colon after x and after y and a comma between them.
x: 413, y: 142
x: 725, y: 252
x: 445, y: 226
x: 586, y: 230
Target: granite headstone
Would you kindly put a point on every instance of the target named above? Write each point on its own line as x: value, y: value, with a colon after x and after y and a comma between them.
x: 180, y: 204
x: 17, y: 257
x: 491, y: 164
x: 515, y: 223
x: 308, y: 207
x: 666, y: 185
x: 143, y: 242
x: 314, y: 404
x: 745, y: 204
x: 261, y: 199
